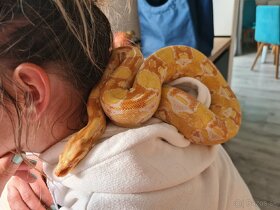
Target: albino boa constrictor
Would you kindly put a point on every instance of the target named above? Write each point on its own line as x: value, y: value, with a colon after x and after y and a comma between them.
x: 130, y: 100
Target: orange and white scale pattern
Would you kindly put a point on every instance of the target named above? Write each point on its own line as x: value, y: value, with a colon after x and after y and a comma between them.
x: 133, y: 90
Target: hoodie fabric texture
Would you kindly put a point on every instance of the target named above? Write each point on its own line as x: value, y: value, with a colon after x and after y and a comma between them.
x: 150, y: 167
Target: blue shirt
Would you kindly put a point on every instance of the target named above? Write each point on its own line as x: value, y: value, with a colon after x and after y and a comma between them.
x: 175, y: 22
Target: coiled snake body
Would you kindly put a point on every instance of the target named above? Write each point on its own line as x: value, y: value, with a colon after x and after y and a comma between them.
x: 132, y: 90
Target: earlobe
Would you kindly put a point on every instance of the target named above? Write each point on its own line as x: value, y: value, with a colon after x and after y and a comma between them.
x: 34, y: 81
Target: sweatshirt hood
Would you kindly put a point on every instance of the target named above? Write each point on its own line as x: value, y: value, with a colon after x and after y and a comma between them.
x: 150, y: 158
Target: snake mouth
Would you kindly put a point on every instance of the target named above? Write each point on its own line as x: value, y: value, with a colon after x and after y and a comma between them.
x: 67, y: 166
x: 62, y: 173
x: 65, y: 169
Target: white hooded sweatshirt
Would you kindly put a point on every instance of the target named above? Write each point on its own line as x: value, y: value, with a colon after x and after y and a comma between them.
x: 151, y: 167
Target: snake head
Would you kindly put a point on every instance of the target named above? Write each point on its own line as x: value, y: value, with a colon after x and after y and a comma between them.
x: 65, y: 168
x: 75, y: 150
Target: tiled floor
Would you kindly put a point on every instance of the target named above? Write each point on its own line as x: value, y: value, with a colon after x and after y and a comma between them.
x: 256, y: 149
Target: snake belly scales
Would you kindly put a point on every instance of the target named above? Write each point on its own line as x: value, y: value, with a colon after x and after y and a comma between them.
x: 132, y: 90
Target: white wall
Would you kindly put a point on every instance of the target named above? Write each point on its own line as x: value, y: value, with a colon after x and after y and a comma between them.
x: 224, y: 17
x: 225, y: 24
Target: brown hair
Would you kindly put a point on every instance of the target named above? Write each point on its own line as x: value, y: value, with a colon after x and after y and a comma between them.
x: 75, y: 34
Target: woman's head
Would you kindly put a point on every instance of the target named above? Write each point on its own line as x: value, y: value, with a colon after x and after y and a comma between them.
x: 47, y: 46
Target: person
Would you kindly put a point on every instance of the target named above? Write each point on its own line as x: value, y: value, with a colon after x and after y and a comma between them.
x: 25, y: 184
x: 53, y: 53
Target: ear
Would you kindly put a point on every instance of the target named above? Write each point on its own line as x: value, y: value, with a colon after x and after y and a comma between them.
x: 34, y: 80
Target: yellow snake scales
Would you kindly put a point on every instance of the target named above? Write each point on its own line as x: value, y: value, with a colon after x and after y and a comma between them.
x: 132, y: 90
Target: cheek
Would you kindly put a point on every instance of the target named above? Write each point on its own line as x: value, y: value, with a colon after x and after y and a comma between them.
x: 6, y: 133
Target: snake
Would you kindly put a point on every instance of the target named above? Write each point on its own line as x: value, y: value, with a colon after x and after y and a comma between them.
x: 133, y: 89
